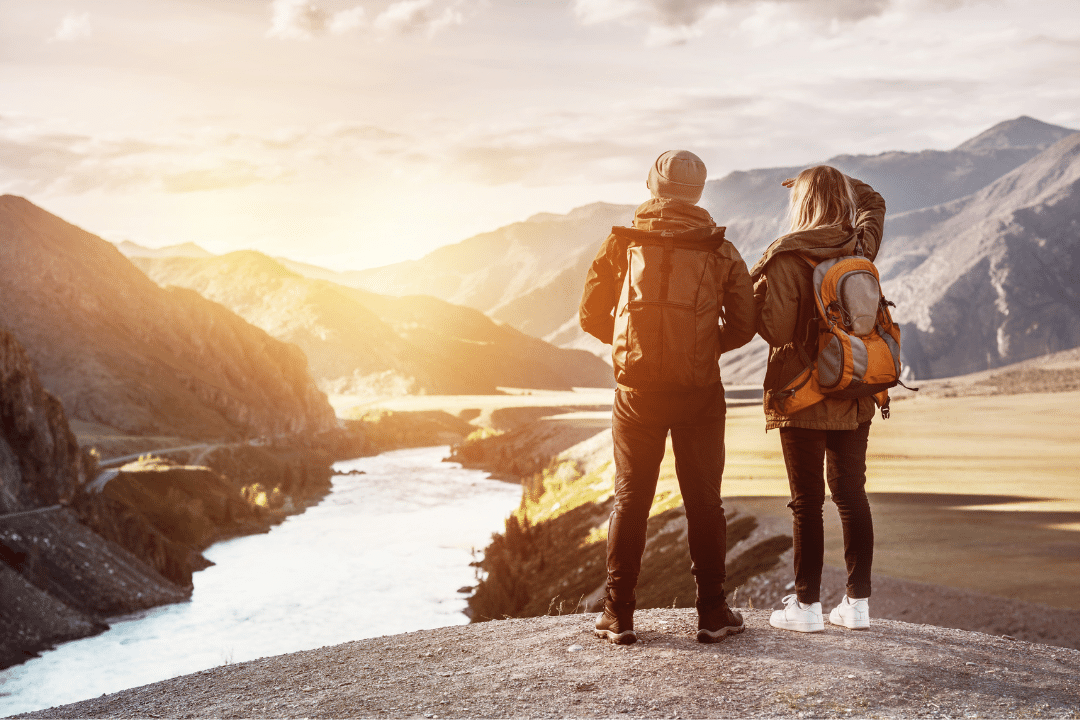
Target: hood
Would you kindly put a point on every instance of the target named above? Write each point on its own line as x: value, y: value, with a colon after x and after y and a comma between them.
x: 817, y: 244
x: 671, y: 214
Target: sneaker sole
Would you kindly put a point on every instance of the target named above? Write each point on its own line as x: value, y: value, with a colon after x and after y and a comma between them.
x: 624, y: 638
x: 715, y: 636
x: 835, y: 619
x: 799, y: 627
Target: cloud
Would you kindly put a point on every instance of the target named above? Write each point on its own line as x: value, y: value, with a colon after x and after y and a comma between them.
x: 418, y: 17
x: 675, y: 21
x: 296, y: 20
x: 347, y: 20
x: 72, y: 27
x: 35, y: 158
x: 306, y: 19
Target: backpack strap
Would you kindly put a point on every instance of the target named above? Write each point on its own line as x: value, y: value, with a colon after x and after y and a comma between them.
x: 666, y: 265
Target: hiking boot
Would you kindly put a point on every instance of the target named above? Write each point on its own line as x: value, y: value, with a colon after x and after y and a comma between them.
x: 718, y: 621
x: 616, y: 624
x: 798, y: 616
x: 852, y: 614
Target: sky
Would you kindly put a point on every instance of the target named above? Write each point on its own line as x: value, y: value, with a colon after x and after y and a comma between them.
x: 356, y: 133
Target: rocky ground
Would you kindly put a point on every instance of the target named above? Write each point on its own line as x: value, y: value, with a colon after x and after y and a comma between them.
x: 554, y: 667
x: 1056, y: 372
x: 918, y: 602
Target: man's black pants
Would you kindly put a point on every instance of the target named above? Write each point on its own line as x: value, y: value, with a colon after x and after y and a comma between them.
x: 807, y: 454
x: 639, y: 424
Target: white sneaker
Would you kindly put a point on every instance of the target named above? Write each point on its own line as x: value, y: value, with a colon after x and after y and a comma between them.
x: 853, y: 614
x: 797, y: 616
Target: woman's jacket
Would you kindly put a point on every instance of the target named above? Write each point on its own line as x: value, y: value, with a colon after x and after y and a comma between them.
x: 787, y: 314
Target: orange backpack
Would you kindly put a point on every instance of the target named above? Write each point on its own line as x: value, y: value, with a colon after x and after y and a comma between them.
x: 858, y: 342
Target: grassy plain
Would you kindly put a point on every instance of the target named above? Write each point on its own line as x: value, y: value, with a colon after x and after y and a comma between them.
x: 978, y: 492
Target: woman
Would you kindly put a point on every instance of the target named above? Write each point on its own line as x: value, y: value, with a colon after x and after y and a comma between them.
x: 831, y: 215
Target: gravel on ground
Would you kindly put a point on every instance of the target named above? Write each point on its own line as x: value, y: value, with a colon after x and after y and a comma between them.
x: 553, y: 667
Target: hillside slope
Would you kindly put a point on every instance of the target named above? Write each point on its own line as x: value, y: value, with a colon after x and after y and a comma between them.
x: 362, y: 343
x: 526, y: 274
x: 120, y: 351
x: 994, y: 280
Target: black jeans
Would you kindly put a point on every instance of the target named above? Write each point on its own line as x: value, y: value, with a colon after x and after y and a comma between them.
x: 639, y: 425
x: 843, y: 453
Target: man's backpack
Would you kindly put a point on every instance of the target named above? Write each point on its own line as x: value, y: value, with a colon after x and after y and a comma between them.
x: 858, y: 344
x: 669, y: 309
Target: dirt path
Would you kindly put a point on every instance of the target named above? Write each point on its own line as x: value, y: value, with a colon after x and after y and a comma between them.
x: 554, y: 667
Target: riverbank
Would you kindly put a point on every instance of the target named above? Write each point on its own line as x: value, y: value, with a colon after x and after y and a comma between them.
x: 553, y: 667
x: 341, y: 571
x: 130, y: 538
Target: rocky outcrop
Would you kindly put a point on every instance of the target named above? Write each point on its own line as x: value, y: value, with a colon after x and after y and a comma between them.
x: 550, y: 559
x: 58, y: 577
x: 73, y: 552
x: 119, y: 351
x: 554, y: 667
x: 32, y: 620
x: 527, y: 449
x: 40, y: 461
x: 60, y: 580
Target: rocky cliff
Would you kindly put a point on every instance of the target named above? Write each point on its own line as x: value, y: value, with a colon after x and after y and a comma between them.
x: 991, y: 279
x: 57, y: 576
x: 362, y: 343
x: 550, y: 559
x: 40, y: 461
x: 120, y: 351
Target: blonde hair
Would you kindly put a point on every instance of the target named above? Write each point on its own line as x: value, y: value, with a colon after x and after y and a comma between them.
x: 821, y: 197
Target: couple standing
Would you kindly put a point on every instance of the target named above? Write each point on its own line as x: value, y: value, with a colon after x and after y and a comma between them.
x: 668, y: 378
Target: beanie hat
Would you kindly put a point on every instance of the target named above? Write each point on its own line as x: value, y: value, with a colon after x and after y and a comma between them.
x: 677, y: 174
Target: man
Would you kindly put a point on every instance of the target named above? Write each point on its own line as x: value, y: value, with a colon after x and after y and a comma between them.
x: 656, y: 292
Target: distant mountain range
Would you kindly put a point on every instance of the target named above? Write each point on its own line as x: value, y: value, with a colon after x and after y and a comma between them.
x: 991, y: 278
x: 118, y: 350
x: 530, y: 274
x: 188, y: 249
x: 362, y: 343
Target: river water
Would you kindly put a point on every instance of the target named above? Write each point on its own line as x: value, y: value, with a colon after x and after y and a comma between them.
x: 384, y: 553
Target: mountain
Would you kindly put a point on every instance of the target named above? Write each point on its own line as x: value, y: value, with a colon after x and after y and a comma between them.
x: 359, y: 342
x: 753, y: 204
x: 118, y: 350
x: 992, y: 278
x: 530, y: 274
x: 1023, y: 132
x: 188, y: 249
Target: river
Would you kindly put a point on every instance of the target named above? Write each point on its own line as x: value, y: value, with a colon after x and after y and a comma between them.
x: 384, y: 553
